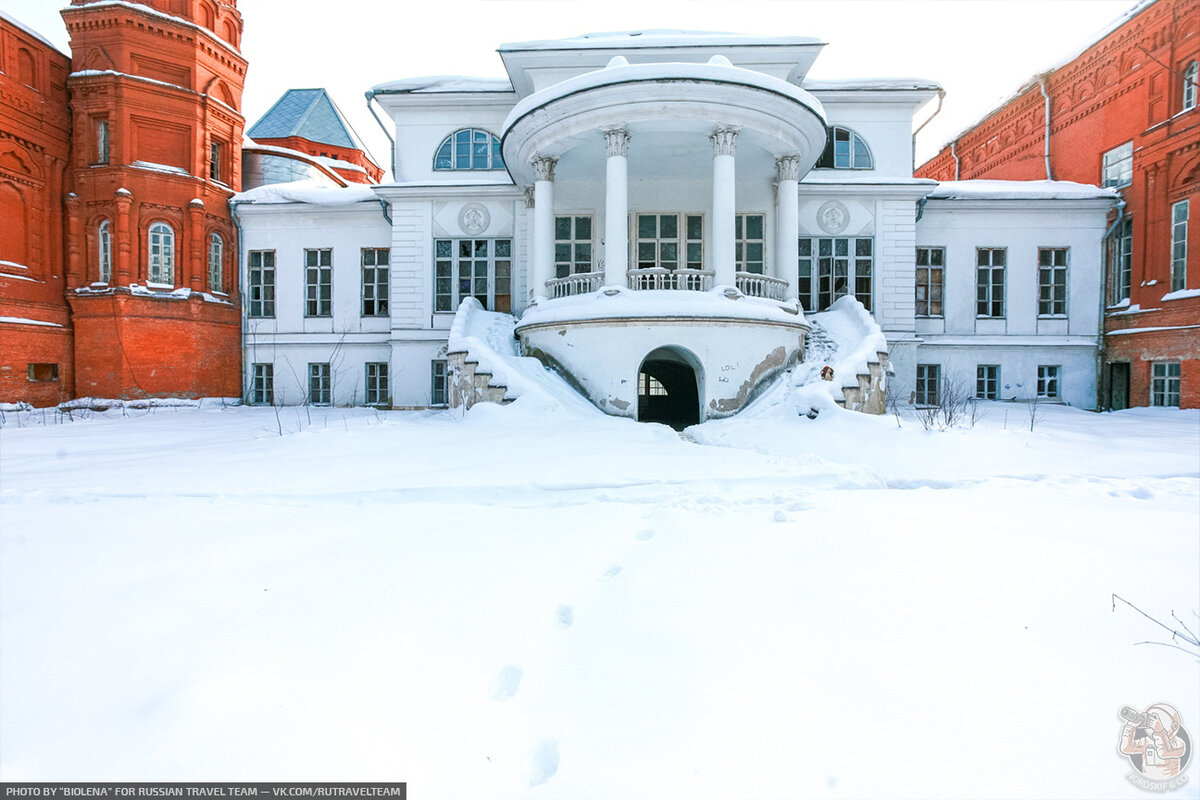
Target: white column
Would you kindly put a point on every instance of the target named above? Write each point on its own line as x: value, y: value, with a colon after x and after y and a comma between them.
x: 787, y: 223
x: 724, y: 206
x: 616, y: 208
x: 543, y: 224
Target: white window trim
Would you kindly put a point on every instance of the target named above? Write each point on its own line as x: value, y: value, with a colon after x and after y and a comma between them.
x: 681, y: 241
x: 990, y: 286
x: 160, y: 267
x: 1179, y: 234
x: 931, y: 268
x: 1119, y: 160
x: 1066, y: 271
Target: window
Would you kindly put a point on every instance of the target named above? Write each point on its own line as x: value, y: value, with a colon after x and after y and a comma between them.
x: 1191, y: 76
x: 931, y: 266
x: 748, y: 250
x: 839, y: 266
x: 660, y: 239
x: 319, y: 392
x: 989, y: 281
x: 439, y: 394
x: 1164, y: 384
x: 1047, y: 381
x: 650, y: 386
x: 1179, y: 226
x: 214, y: 161
x: 377, y: 384
x: 1120, y: 260
x: 262, y: 385
x: 987, y: 382
x: 48, y: 373
x: 104, y: 251
x: 1117, y: 167
x: 318, y: 283
x: 845, y: 149
x: 479, y: 268
x: 470, y: 148
x: 162, y: 254
x: 216, y: 263
x: 928, y: 380
x: 572, y: 245
x: 262, y: 283
x: 375, y: 282
x: 103, y: 148
x: 1052, y: 281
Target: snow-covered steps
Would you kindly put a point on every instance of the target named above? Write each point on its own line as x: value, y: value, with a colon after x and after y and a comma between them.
x: 847, y: 340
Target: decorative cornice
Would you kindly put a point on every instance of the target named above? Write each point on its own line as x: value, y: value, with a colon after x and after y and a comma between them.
x: 616, y: 141
x: 724, y: 141
x: 543, y: 168
x: 787, y: 168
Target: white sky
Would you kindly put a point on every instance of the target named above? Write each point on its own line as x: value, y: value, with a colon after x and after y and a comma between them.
x: 979, y: 50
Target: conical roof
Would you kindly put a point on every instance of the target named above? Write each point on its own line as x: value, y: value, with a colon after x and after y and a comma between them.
x: 309, y: 114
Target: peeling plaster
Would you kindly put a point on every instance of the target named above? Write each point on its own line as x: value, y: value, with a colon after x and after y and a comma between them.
x: 774, y: 361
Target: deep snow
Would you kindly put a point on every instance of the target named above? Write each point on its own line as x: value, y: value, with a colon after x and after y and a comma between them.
x: 528, y: 601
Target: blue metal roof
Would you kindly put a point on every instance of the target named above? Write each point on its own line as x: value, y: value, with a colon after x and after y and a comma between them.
x: 310, y: 114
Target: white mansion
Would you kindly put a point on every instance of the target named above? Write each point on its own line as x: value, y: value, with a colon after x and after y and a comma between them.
x: 659, y: 211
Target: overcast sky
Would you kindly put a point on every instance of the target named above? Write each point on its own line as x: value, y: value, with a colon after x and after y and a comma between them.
x: 980, y: 51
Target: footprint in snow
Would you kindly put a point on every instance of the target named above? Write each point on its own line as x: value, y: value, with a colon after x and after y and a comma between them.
x: 611, y: 572
x: 564, y: 617
x: 544, y: 762
x: 506, y: 682
x: 644, y: 535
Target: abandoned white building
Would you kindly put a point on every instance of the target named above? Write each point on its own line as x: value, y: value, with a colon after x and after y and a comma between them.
x: 660, y: 211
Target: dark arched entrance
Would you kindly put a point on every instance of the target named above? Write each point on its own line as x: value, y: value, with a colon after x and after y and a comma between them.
x: 669, y: 389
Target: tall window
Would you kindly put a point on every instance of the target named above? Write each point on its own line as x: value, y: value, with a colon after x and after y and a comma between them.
x: 987, y: 382
x: 214, y: 161
x: 1052, y: 281
x: 262, y: 384
x: 439, y: 394
x: 162, y: 254
x: 845, y: 149
x: 319, y: 386
x: 479, y: 268
x: 1164, y: 383
x: 377, y: 384
x: 989, y: 281
x: 470, y: 148
x: 572, y: 245
x: 375, y: 282
x: 262, y: 283
x: 216, y: 263
x: 1191, y: 75
x: 1120, y: 260
x: 1179, y: 226
x: 1117, y: 166
x: 104, y: 250
x: 749, y: 238
x: 318, y: 283
x: 834, y: 267
x: 663, y: 238
x: 928, y: 385
x: 931, y: 267
x: 1047, y: 381
x: 103, y: 148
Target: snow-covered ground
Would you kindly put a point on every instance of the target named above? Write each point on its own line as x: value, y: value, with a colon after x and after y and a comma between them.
x: 534, y: 601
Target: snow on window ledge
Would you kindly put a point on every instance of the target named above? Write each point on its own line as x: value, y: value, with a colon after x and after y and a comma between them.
x: 1181, y: 294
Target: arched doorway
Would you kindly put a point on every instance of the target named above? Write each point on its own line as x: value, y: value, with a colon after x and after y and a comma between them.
x: 669, y: 388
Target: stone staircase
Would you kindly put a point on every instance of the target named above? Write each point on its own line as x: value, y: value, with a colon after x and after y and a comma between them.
x: 865, y: 392
x: 467, y: 384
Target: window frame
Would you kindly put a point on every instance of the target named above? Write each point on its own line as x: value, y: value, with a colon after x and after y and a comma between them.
x: 103, y: 141
x: 493, y: 157
x: 821, y: 282
x: 930, y: 286
x: 986, y: 303
x: 1049, y: 382
x: 216, y: 161
x: 375, y: 284
x: 318, y: 283
x: 568, y: 248
x: 1116, y: 166
x: 685, y: 243
x: 1165, y: 387
x: 925, y: 394
x: 439, y: 383
x: 42, y: 372
x: 1051, y: 278
x: 320, y: 384
x: 498, y: 273
x: 987, y: 382
x: 104, y: 252
x: 160, y: 254
x: 743, y: 243
x: 1191, y: 77
x: 378, y: 392
x: 262, y: 384
x: 260, y: 292
x: 1119, y: 249
x: 1179, y: 234
x: 830, y: 157
x: 216, y: 263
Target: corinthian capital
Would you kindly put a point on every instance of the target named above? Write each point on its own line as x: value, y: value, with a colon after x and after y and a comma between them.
x: 724, y: 141
x: 617, y: 141
x: 787, y: 168
x: 543, y: 168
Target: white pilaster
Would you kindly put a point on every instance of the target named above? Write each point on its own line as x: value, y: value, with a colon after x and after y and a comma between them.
x: 543, y: 225
x: 724, y: 206
x: 616, y: 207
x: 787, y: 224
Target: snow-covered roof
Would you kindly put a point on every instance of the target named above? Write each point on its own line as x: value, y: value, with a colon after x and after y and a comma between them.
x: 620, y: 302
x: 659, y: 37
x: 306, y: 191
x: 870, y: 85
x: 309, y: 114
x: 443, y: 84
x: 9, y: 18
x: 1019, y: 190
x: 152, y: 12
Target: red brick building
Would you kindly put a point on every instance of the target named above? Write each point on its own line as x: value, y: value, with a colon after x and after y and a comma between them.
x: 1122, y: 113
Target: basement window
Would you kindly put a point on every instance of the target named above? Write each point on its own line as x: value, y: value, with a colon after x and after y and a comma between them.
x: 43, y: 373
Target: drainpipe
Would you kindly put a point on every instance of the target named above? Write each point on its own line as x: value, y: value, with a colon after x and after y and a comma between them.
x: 941, y: 94
x: 1101, y: 377
x: 921, y: 208
x: 954, y: 155
x: 241, y: 248
x: 1046, y: 133
x: 370, y: 95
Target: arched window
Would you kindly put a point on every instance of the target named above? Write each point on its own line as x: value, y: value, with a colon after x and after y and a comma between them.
x: 1191, y: 75
x: 104, y: 250
x: 216, y: 263
x: 470, y: 148
x: 162, y: 254
x: 846, y: 150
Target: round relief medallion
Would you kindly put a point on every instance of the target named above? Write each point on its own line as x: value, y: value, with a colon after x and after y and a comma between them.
x: 474, y: 219
x: 833, y: 217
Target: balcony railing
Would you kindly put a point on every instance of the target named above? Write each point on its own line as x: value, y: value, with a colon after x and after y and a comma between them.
x: 579, y: 283
x: 650, y: 278
x: 754, y: 285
